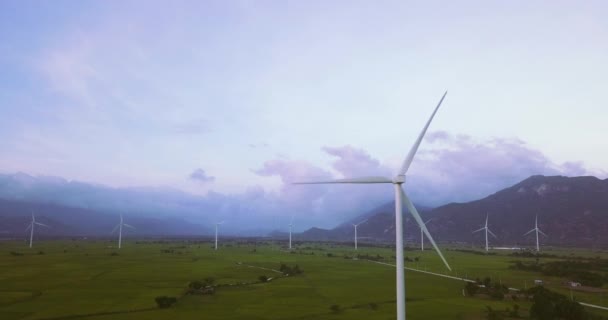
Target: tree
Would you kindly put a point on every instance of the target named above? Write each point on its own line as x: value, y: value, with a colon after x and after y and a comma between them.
x: 335, y: 308
x: 263, y: 278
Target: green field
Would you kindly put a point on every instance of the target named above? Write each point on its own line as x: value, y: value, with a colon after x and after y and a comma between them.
x: 84, y: 280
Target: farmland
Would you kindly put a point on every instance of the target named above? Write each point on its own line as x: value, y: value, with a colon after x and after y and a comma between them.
x: 92, y: 279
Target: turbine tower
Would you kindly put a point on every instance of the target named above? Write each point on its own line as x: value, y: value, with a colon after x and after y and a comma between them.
x: 216, y: 225
x: 487, y: 231
x: 290, y: 226
x: 119, y: 227
x: 537, y: 232
x: 400, y: 199
x: 356, y: 225
x: 422, y: 236
x: 31, y: 227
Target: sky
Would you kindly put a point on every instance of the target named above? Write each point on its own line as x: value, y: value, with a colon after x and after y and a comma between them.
x: 240, y: 98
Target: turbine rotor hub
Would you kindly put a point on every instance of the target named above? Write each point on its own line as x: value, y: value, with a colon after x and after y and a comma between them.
x: 400, y: 179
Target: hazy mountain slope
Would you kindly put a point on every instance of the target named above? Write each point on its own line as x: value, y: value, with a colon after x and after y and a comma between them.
x: 67, y: 221
x: 571, y: 210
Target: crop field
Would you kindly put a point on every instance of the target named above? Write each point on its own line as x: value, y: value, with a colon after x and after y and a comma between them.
x: 92, y: 279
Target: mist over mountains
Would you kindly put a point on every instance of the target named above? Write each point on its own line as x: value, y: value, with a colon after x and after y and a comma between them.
x: 571, y: 211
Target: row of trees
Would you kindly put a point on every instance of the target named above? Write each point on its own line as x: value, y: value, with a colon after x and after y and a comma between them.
x: 574, y: 270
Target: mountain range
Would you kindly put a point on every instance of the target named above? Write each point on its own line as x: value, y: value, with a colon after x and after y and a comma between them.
x: 571, y: 210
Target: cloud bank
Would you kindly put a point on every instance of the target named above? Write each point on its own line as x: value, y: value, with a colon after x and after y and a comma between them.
x: 449, y: 168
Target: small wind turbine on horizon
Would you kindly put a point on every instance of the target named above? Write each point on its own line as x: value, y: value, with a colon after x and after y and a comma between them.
x: 537, y: 232
x: 487, y: 231
x: 216, y: 226
x: 119, y: 227
x: 400, y: 196
x: 422, y: 235
x: 356, y: 225
x: 31, y: 227
x: 290, y: 227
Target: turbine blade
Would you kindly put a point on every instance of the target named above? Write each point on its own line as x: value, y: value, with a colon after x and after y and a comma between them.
x: 410, y: 156
x: 29, y: 226
x: 527, y: 233
x: 41, y: 224
x: 429, y: 220
x: 479, y: 230
x: 128, y: 226
x: 360, y: 222
x: 416, y: 215
x: 492, y: 233
x: 542, y: 233
x: 350, y: 180
x: 115, y: 228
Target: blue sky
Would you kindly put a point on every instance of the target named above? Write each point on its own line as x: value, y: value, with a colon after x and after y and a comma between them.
x: 253, y: 94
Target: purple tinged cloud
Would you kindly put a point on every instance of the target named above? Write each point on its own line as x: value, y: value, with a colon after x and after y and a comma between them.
x: 459, y: 168
x: 200, y: 176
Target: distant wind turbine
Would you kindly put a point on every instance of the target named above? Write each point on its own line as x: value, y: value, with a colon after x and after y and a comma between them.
x: 537, y: 232
x: 400, y: 196
x: 422, y: 235
x: 119, y: 227
x: 216, y: 226
x: 356, y: 225
x: 290, y: 227
x: 487, y: 231
x: 31, y: 226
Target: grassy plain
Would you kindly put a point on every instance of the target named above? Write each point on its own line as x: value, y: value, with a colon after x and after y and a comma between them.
x: 84, y: 280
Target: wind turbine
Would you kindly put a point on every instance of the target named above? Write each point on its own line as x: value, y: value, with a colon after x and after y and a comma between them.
x: 216, y: 225
x: 31, y: 227
x: 356, y: 225
x: 422, y: 235
x: 537, y: 232
x: 487, y: 231
x: 119, y: 227
x: 400, y: 197
x: 290, y: 226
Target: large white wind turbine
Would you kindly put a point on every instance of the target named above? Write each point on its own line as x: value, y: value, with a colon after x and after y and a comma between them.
x: 216, y: 226
x: 487, y: 231
x: 290, y: 227
x: 422, y: 236
x: 31, y: 226
x: 537, y: 232
x: 119, y: 227
x: 356, y: 225
x: 400, y: 196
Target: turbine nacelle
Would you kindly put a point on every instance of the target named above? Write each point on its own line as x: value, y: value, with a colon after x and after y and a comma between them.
x: 399, y: 179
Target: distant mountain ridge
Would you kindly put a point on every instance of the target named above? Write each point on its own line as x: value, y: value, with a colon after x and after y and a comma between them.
x: 68, y: 221
x: 571, y: 210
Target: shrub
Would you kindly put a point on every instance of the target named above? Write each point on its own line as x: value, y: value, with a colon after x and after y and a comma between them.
x: 263, y: 278
x: 16, y: 254
x: 335, y: 308
x: 195, y: 285
x: 471, y: 288
x: 164, y: 302
x: 209, y: 281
